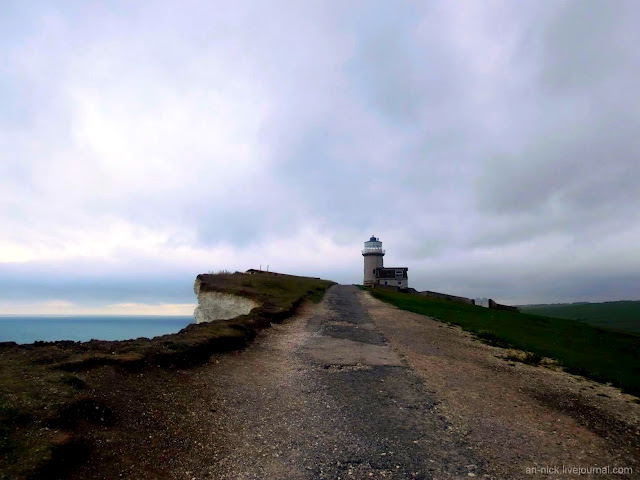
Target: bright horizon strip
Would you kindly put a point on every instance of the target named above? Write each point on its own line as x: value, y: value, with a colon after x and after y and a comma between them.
x: 62, y: 307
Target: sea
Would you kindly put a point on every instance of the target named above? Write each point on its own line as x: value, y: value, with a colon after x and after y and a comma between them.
x: 81, y: 328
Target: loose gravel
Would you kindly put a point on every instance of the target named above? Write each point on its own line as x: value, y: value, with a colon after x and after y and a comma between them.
x: 353, y: 388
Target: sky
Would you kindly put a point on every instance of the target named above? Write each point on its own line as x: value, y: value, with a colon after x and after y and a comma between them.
x: 493, y: 146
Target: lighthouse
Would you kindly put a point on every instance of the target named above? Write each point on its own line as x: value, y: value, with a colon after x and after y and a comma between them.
x: 373, y: 259
x: 374, y: 271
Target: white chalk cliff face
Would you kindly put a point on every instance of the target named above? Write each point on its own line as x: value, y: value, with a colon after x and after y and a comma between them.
x: 220, y: 306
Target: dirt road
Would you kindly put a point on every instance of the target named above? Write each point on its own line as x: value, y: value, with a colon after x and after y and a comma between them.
x: 354, y: 388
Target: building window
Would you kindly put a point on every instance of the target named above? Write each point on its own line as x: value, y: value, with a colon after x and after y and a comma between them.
x: 385, y: 283
x: 399, y: 283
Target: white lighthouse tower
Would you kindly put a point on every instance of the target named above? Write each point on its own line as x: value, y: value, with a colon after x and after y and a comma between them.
x: 373, y: 258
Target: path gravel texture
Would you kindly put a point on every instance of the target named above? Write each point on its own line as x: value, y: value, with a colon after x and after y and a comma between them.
x: 354, y: 388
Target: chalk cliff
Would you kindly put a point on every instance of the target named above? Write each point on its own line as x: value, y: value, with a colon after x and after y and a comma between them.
x: 220, y: 306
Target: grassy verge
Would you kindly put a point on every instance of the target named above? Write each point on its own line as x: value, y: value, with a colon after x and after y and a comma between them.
x: 600, y: 354
x: 46, y: 389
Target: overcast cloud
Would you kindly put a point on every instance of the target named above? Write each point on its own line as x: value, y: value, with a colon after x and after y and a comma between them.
x: 494, y: 147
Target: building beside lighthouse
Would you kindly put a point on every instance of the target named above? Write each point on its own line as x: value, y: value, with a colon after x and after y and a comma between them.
x: 375, y: 273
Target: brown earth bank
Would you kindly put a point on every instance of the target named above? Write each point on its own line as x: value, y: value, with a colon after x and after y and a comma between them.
x: 351, y: 388
x: 49, y: 395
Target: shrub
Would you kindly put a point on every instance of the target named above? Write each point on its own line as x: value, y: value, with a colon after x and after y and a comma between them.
x: 492, y: 339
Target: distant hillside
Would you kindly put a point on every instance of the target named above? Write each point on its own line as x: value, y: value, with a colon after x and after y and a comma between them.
x: 624, y: 315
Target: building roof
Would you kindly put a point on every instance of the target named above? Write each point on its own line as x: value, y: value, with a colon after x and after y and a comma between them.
x: 267, y: 272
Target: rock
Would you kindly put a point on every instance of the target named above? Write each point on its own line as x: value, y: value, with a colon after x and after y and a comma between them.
x: 221, y: 306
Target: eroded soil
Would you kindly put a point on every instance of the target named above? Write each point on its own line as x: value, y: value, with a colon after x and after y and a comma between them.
x: 354, y: 388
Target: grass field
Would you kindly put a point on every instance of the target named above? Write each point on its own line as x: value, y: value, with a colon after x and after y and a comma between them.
x: 624, y: 315
x: 279, y: 291
x: 46, y: 389
x: 601, y: 354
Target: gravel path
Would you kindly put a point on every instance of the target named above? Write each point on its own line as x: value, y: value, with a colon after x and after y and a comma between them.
x: 354, y: 388
x: 325, y: 397
x: 518, y: 418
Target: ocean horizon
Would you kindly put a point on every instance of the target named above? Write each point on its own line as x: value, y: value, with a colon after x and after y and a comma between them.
x: 82, y: 328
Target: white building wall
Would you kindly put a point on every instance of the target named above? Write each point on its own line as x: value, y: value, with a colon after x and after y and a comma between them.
x: 393, y: 282
x: 371, y: 262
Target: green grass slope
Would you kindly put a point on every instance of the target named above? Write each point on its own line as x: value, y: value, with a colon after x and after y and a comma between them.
x: 623, y: 315
x: 600, y: 354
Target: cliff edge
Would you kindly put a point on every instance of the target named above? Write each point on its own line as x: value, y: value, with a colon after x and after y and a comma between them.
x: 214, y: 305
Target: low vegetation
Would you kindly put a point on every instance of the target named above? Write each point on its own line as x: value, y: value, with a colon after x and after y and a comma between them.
x: 46, y: 389
x: 529, y: 358
x: 601, y: 354
x: 623, y: 315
